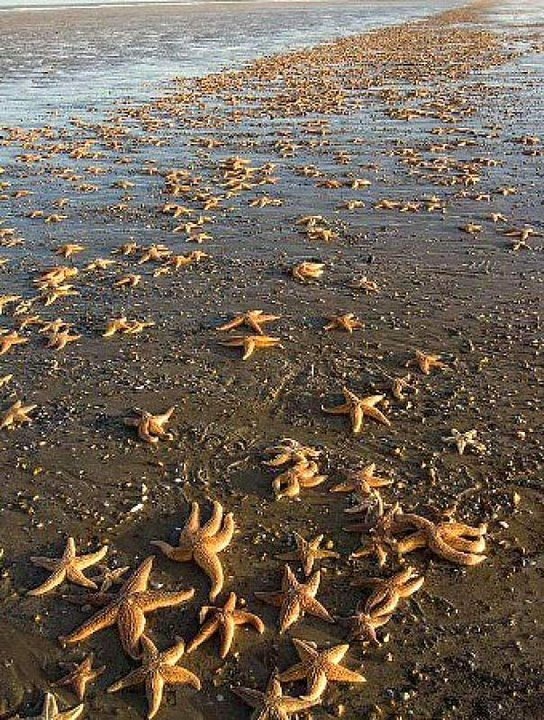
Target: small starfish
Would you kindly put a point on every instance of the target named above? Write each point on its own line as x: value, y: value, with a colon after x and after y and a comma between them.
x: 357, y: 408
x: 10, y: 340
x: 131, y: 280
x: 202, y: 544
x: 16, y: 414
x: 307, y: 552
x: 382, y: 541
x: 302, y: 475
x: 130, y: 248
x: 68, y: 567
x: 80, y: 676
x: 272, y: 704
x: 362, y: 481
x: 116, y: 325
x: 54, y: 326
x: 109, y: 577
x: 99, y: 264
x: 289, y: 450
x: 295, y: 599
x: 363, y: 626
x: 305, y: 271
x: 347, y: 322
x: 319, y: 668
x: 5, y: 379
x: 224, y: 621
x: 50, y: 711
x: 250, y: 343
x: 462, y: 440
x: 157, y: 670
x: 137, y: 326
x: 59, y: 340
x: 151, y: 427
x: 128, y: 609
x: 369, y: 286
x: 426, y: 362
x: 252, y: 318
x: 388, y: 591
x: 70, y: 249
x: 400, y: 384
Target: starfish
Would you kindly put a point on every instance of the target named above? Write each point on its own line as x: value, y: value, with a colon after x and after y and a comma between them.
x: 362, y: 481
x: 369, y: 286
x: 387, y: 592
x: 400, y: 384
x: 116, y: 325
x: 306, y: 271
x: 128, y: 609
x: 273, y: 704
x: 99, y: 264
x: 302, y: 475
x: 54, y: 326
x: 10, y: 340
x: 68, y: 567
x: 5, y: 379
x: 252, y: 318
x: 382, y: 540
x: 69, y: 249
x: 135, y: 327
x: 250, y: 343
x: 307, y: 552
x: 59, y: 340
x: 224, y: 621
x: 319, y: 668
x: 426, y: 362
x: 7, y: 300
x: 346, y: 322
x: 60, y: 291
x: 363, y: 625
x: 157, y: 670
x: 295, y: 599
x: 462, y: 440
x: 130, y: 248
x: 80, y: 676
x: 357, y: 408
x: 155, y: 253
x: 289, y: 450
x: 109, y: 577
x: 151, y: 427
x: 16, y: 414
x: 50, y: 711
x: 130, y: 280
x: 202, y: 544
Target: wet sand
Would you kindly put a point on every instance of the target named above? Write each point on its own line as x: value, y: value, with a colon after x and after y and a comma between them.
x: 422, y: 110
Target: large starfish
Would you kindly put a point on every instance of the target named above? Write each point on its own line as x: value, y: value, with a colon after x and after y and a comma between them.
x: 319, y: 668
x: 50, y: 711
x: 151, y: 427
x: 16, y: 414
x: 272, y: 704
x: 68, y: 567
x: 202, y: 544
x: 223, y: 620
x: 361, y: 481
x: 426, y: 363
x: 157, y: 670
x: 80, y: 676
x: 295, y: 599
x: 250, y: 343
x: 357, y: 408
x: 307, y: 552
x: 252, y: 318
x: 128, y: 608
x: 388, y: 591
x: 302, y: 475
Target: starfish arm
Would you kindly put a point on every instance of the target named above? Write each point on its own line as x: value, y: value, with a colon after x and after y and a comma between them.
x: 316, y: 682
x: 468, y: 546
x: 291, y: 705
x: 193, y: 523
x: 72, y: 714
x: 339, y: 410
x: 227, y: 636
x: 214, y: 523
x: 375, y: 414
x: 254, y: 325
x: 271, y: 598
x: 343, y: 487
x: 131, y: 625
x: 210, y: 563
x: 290, y: 612
x: 103, y: 619
x: 314, y: 607
x: 75, y: 575
x: 297, y: 672
x: 304, y: 650
x: 224, y: 536
x: 382, y: 603
x: 205, y: 632
x: 139, y: 579
x: 357, y: 418
x: 314, y: 481
x: 313, y: 583
x: 254, y: 698
x: 249, y: 348
x: 174, y: 654
x: 236, y: 322
x: 44, y: 562
x: 136, y: 677
x: 336, y: 653
x: 52, y: 582
x: 156, y: 599
x: 336, y: 673
x: 174, y: 675
x: 411, y: 587
x: 154, y: 686
x: 241, y: 617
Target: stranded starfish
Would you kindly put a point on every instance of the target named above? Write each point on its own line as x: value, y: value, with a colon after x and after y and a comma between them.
x: 128, y: 609
x: 16, y: 414
x: 68, y: 567
x: 295, y: 599
x: 157, y: 670
x: 388, y: 591
x: 302, y: 475
x: 250, y: 343
x: 319, y: 668
x: 202, y: 544
x: 363, y: 625
x: 252, y: 318
x: 272, y: 704
x: 223, y: 620
x: 151, y: 427
x: 50, y: 711
x: 305, y: 271
x: 357, y: 408
x: 307, y: 552
x: 289, y: 450
x: 462, y: 440
x: 80, y: 676
x: 347, y: 322
x: 10, y: 340
x: 426, y: 362
x: 361, y: 481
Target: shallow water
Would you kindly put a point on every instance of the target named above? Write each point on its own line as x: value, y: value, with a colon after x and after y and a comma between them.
x: 65, y: 60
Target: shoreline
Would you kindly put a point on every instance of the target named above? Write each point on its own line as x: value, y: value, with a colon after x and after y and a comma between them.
x: 400, y: 139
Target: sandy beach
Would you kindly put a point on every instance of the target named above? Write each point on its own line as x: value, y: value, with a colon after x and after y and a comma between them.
x: 404, y: 167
